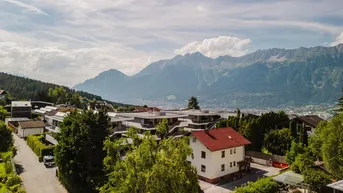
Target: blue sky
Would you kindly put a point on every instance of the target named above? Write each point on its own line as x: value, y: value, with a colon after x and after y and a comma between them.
x: 66, y: 42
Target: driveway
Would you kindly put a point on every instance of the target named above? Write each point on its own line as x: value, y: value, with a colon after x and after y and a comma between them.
x: 257, y: 171
x: 36, y: 177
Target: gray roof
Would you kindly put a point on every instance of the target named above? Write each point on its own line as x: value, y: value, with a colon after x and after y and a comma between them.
x: 198, y: 112
x: 17, y: 119
x: 152, y: 115
x: 290, y: 178
x: 337, y: 185
x: 21, y: 104
x: 119, y: 119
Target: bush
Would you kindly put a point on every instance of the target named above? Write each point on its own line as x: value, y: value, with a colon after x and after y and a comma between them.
x: 38, y: 147
x: 13, y: 180
x: 15, y: 188
x: 3, y: 178
x: 265, y: 185
x: 6, y: 156
x: 21, y: 191
x: 8, y: 167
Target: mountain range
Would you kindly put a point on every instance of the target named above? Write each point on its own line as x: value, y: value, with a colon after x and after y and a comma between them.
x: 265, y: 78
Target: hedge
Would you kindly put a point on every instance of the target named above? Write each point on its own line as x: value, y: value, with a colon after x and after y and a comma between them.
x: 38, y: 147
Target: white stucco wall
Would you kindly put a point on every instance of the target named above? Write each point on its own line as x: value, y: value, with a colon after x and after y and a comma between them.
x: 214, y: 160
x: 27, y: 132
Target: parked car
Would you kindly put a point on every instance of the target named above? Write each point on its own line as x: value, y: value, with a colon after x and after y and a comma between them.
x: 49, y: 161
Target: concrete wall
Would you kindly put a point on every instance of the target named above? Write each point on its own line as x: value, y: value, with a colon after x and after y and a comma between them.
x: 214, y: 160
x: 27, y: 132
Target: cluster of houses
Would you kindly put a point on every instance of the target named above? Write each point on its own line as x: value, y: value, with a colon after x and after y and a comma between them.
x: 218, y: 153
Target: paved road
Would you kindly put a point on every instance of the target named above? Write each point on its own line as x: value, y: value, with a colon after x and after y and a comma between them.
x: 257, y: 171
x: 36, y: 178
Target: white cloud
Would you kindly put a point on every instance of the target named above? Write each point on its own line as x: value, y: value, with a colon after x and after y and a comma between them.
x: 26, y: 6
x: 339, y: 40
x: 215, y: 47
x: 66, y: 67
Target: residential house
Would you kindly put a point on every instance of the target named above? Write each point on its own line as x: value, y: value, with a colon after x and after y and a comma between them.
x: 147, y: 121
x: 21, y: 109
x: 3, y: 94
x: 13, y: 123
x: 27, y: 128
x: 40, y: 104
x: 308, y: 122
x: 146, y: 109
x: 218, y: 154
x: 199, y: 119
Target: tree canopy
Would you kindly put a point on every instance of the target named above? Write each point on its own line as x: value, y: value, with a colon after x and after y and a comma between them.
x: 6, y: 140
x: 316, y: 179
x: 262, y: 185
x: 79, y: 154
x: 254, y: 127
x: 148, y: 166
x: 193, y: 103
x: 21, y: 88
x: 3, y: 113
x: 327, y: 143
x: 278, y: 141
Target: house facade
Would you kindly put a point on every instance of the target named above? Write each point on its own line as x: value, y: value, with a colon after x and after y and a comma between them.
x: 27, y: 128
x: 217, y: 153
x: 21, y: 109
x: 3, y: 94
x: 308, y: 122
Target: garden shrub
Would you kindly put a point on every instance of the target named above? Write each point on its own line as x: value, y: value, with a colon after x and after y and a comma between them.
x: 15, y: 188
x: 8, y: 167
x: 3, y: 178
x: 13, y: 180
x: 35, y: 142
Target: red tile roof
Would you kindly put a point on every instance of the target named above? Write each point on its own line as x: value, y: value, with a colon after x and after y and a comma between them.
x: 221, y: 138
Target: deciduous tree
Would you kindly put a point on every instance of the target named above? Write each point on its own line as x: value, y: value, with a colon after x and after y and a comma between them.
x: 79, y: 153
x: 193, y: 103
x: 3, y: 113
x: 278, y: 141
x: 6, y: 139
x: 316, y: 179
x: 328, y: 139
x: 148, y: 166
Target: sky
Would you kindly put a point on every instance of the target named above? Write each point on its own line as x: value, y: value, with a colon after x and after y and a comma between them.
x: 68, y: 41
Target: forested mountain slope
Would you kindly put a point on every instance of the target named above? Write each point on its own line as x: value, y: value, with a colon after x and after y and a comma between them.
x: 25, y: 88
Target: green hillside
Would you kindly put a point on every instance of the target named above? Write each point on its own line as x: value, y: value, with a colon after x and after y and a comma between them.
x: 21, y: 88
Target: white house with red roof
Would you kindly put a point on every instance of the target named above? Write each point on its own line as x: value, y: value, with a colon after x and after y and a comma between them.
x: 218, y: 153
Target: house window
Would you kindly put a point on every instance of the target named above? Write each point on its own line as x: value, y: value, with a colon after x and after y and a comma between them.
x: 234, y: 150
x: 234, y: 163
x: 223, y: 167
x: 203, y: 154
x: 194, y: 139
x: 230, y: 164
x: 223, y: 154
x: 230, y: 151
x: 203, y: 168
